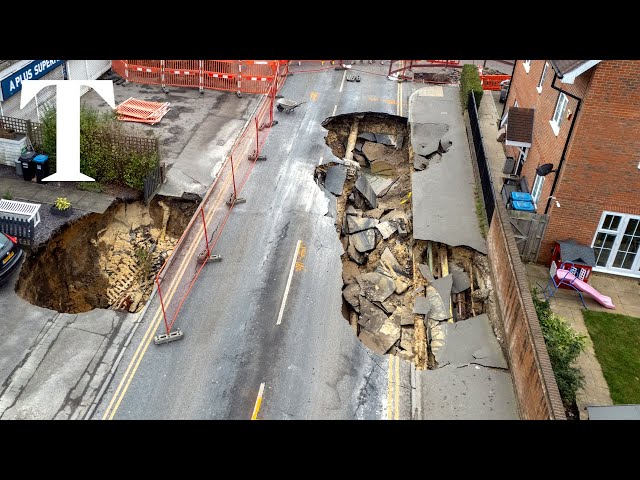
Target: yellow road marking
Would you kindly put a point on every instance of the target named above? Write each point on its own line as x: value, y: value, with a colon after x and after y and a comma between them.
x: 397, y: 412
x: 146, y: 339
x: 314, y: 96
x: 389, y: 389
x: 256, y: 408
x: 300, y: 260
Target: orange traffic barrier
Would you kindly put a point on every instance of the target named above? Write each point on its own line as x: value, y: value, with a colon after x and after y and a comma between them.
x: 492, y: 82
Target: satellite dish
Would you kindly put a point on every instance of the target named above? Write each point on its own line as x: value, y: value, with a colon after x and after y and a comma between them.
x: 545, y: 169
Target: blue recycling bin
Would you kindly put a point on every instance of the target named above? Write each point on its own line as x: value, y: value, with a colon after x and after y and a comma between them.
x: 41, y: 163
x: 523, y: 206
x: 521, y: 197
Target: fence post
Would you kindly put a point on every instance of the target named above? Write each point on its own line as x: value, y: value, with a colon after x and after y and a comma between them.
x: 30, y: 131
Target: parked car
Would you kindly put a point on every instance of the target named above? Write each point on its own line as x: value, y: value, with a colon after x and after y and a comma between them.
x: 10, y: 256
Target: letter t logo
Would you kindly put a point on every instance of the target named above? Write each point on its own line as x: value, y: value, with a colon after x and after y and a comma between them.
x: 68, y: 121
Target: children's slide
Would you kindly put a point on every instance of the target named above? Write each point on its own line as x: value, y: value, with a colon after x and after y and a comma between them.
x: 567, y: 277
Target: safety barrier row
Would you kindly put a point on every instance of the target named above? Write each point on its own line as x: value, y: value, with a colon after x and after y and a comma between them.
x: 197, y: 244
x: 240, y: 76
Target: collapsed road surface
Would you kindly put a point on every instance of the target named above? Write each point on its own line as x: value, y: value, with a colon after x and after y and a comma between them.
x: 264, y: 334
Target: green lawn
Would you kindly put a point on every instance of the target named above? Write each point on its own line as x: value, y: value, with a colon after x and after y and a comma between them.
x: 616, y: 341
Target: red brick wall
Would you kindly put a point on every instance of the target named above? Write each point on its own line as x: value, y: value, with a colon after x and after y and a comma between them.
x: 601, y: 169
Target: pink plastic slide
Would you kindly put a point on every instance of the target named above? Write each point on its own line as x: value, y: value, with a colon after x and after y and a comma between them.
x: 567, y: 277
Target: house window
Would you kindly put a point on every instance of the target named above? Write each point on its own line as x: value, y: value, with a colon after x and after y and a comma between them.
x: 544, y: 72
x: 558, y: 114
x: 617, y: 242
x: 527, y: 65
x: 521, y: 158
x: 536, y: 190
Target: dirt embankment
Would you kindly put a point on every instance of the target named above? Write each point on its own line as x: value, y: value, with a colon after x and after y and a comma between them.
x: 105, y: 261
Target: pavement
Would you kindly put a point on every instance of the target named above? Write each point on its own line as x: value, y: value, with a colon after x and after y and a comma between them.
x: 194, y: 136
x: 443, y: 193
x: 42, y: 193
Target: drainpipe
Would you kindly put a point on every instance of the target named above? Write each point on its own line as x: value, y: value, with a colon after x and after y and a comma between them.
x: 506, y: 100
x: 566, y: 144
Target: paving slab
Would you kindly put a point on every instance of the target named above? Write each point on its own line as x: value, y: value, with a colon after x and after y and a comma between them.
x: 426, y: 272
x: 460, y: 281
x: 379, y: 184
x: 363, y: 241
x: 357, y: 224
x: 371, y: 317
x: 375, y: 286
x: 352, y: 295
x: 386, y: 229
x: 469, y: 341
x: 443, y: 286
x: 363, y: 186
x: 437, y: 311
x: 471, y: 392
x: 421, y: 306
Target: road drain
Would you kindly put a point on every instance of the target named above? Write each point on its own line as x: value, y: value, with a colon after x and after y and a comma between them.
x: 382, y: 265
x: 105, y: 261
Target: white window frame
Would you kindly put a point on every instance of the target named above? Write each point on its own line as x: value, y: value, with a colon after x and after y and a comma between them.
x: 522, y: 157
x: 634, y: 271
x: 558, y: 113
x: 527, y: 65
x: 541, y: 81
x: 536, y: 189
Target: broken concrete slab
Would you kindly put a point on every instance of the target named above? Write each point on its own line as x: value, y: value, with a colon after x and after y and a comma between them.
x: 466, y: 393
x: 406, y: 339
x: 369, y: 137
x: 351, y: 210
x: 399, y: 141
x: 460, y: 281
x: 354, y: 254
x: 385, y: 139
x: 373, y: 213
x: 332, y: 208
x: 421, y: 306
x: 350, y: 271
x: 391, y: 264
x: 425, y: 137
x: 445, y: 144
x: 361, y: 159
x: 380, y: 167
x: 359, y: 145
x: 335, y: 178
x: 437, y: 311
x: 401, y: 286
x: 470, y: 341
x: 420, y: 162
x: 386, y: 229
x: 374, y: 151
x: 443, y: 286
x: 426, y: 272
x: 395, y: 216
x: 378, y: 183
x: 362, y: 185
x: 371, y: 317
x: 363, y: 241
x: 388, y: 334
x: 401, y: 316
x: 371, y: 341
x: 352, y: 295
x: 357, y: 224
x: 375, y: 286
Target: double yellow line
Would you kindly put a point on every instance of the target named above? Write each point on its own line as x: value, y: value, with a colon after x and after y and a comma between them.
x: 112, y: 408
x: 393, y: 388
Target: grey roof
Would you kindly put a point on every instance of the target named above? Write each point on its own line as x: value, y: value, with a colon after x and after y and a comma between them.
x: 562, y: 67
x: 572, y: 251
x: 614, y: 412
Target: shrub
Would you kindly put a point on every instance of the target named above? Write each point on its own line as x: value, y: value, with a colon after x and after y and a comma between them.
x: 564, y: 345
x: 103, y: 153
x: 470, y: 82
x: 7, y: 195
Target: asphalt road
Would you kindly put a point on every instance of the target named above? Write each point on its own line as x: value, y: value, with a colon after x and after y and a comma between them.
x: 311, y: 365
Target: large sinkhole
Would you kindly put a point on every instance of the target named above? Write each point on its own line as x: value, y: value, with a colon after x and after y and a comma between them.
x: 387, y: 274
x: 105, y: 260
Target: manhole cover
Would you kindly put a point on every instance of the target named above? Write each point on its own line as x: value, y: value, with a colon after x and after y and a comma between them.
x: 220, y: 143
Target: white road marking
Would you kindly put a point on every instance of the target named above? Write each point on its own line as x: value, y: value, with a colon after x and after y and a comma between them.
x: 335, y: 107
x: 320, y: 161
x: 342, y: 83
x: 286, y: 290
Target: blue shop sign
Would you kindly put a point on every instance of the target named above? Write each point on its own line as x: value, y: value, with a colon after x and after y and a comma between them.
x: 12, y: 84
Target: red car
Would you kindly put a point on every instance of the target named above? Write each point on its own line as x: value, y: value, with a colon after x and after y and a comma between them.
x: 10, y: 256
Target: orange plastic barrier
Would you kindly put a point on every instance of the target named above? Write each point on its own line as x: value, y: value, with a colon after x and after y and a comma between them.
x: 492, y: 82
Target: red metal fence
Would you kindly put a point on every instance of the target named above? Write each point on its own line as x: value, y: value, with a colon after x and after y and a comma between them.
x: 178, y: 275
x: 240, y: 76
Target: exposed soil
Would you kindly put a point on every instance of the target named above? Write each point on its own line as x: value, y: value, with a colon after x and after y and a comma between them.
x: 105, y: 261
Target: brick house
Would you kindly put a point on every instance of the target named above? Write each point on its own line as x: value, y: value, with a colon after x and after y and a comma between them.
x: 585, y: 122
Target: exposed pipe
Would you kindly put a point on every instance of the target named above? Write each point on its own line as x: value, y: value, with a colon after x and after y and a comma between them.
x: 566, y: 143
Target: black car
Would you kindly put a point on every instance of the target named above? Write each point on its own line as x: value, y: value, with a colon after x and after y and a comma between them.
x: 10, y: 256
